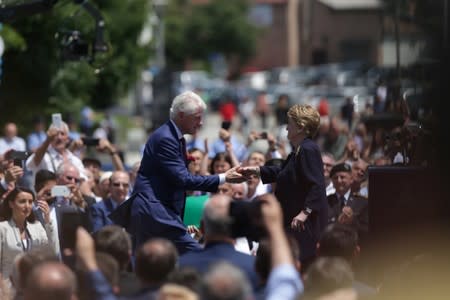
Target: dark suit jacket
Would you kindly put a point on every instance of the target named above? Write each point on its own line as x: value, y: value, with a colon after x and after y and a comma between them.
x: 156, y: 206
x: 360, y: 207
x: 129, y: 284
x: 89, y: 200
x: 99, y: 212
x: 300, y: 185
x: 201, y: 260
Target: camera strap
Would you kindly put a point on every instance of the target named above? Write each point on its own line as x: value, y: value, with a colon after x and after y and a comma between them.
x: 52, y: 161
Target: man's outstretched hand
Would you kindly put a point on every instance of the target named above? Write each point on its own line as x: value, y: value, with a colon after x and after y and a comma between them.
x: 247, y: 172
x: 232, y: 176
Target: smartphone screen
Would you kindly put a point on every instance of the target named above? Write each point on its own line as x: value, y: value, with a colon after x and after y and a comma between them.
x: 57, y: 120
x: 60, y: 191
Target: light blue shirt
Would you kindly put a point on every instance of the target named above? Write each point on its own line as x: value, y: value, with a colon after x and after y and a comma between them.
x: 16, y: 143
x: 239, y: 149
x: 36, y: 139
x: 284, y: 283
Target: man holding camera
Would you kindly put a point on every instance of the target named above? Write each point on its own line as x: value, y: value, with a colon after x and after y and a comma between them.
x: 53, y: 152
x: 9, y: 174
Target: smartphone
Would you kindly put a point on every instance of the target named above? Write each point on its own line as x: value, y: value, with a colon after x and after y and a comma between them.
x: 70, y: 221
x: 90, y: 141
x: 57, y: 120
x: 60, y: 191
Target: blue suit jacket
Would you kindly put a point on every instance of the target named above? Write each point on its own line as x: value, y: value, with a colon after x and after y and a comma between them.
x: 99, y: 214
x: 156, y: 207
x: 201, y: 260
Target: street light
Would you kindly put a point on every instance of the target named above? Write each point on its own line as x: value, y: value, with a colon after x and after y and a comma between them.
x: 159, y: 6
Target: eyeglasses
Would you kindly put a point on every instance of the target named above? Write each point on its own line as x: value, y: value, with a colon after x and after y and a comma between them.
x: 71, y: 178
x: 119, y: 184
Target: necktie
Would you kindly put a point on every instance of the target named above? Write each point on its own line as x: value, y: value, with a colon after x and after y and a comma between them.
x: 183, y: 147
x: 343, y: 200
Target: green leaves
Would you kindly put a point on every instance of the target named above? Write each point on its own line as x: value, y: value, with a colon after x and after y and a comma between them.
x: 36, y: 78
x: 196, y: 31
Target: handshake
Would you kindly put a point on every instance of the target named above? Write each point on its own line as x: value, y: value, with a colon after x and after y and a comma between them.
x: 240, y: 174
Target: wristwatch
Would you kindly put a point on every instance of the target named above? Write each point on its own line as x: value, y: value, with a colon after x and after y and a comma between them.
x: 307, y: 211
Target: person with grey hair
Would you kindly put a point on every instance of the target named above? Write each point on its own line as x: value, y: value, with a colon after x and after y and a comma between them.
x: 53, y: 152
x: 156, y: 206
x: 219, y: 243
x: 225, y: 282
x: 68, y: 175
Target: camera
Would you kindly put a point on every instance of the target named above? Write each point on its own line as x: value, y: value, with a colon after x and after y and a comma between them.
x: 263, y: 135
x: 73, y: 46
x: 90, y: 141
x: 17, y: 156
x: 247, y: 219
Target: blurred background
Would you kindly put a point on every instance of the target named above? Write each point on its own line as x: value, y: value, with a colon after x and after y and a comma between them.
x: 117, y: 64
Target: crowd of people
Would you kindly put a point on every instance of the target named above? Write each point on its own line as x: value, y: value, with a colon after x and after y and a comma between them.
x: 307, y: 190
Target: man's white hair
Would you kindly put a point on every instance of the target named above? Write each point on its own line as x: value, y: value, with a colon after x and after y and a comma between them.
x: 64, y: 127
x: 186, y: 102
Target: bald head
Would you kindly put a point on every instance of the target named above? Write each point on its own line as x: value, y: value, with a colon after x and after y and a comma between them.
x: 155, y: 260
x: 52, y: 280
x: 10, y: 130
x: 216, y: 220
x: 217, y: 206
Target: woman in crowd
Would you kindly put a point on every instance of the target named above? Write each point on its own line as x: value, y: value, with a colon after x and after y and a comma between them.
x: 300, y: 181
x: 221, y: 163
x: 20, y: 231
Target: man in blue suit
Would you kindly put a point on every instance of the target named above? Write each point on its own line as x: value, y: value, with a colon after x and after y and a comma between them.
x: 219, y: 244
x: 156, y: 207
x: 99, y: 212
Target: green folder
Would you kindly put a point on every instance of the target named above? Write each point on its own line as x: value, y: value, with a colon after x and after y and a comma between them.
x: 194, y: 209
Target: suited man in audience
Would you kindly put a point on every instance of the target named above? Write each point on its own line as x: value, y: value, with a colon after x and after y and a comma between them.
x: 99, y: 212
x: 343, y: 206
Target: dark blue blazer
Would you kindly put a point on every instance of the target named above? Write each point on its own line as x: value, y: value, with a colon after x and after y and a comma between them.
x: 99, y: 214
x: 215, y: 252
x: 300, y: 184
x: 156, y: 207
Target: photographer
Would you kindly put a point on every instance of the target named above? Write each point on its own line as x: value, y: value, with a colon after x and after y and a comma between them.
x: 68, y: 175
x: 220, y: 145
x: 53, y: 152
x: 9, y: 174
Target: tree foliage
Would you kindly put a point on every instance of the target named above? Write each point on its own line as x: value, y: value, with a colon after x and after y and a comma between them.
x: 197, y: 31
x: 36, y: 79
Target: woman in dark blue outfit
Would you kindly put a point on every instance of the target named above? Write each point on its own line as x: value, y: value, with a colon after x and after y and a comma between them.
x: 300, y: 182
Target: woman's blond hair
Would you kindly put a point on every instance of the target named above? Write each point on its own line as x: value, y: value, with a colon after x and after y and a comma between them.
x: 305, y: 116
